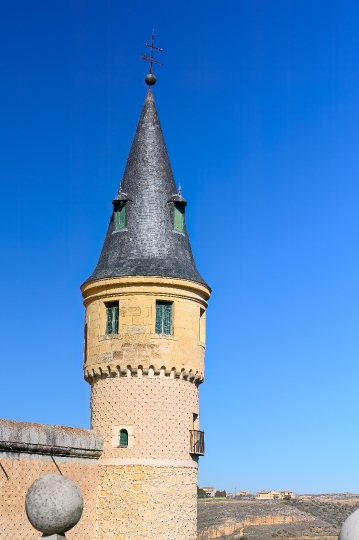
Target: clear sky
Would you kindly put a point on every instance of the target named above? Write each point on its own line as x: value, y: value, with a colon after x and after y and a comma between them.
x: 259, y: 103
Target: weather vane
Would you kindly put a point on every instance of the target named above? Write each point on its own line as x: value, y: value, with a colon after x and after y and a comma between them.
x: 151, y: 78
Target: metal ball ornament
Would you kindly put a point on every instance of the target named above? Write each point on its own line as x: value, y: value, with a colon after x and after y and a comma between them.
x: 150, y: 79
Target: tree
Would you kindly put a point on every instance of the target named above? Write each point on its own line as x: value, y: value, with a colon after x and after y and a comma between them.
x: 220, y: 493
x: 201, y: 494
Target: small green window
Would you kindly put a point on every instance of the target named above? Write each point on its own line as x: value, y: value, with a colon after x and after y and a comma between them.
x: 112, y: 318
x: 120, y: 216
x: 123, y: 437
x: 163, y: 317
x: 179, y: 218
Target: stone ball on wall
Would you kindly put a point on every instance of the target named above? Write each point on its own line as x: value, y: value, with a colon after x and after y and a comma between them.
x: 350, y: 527
x: 54, y: 504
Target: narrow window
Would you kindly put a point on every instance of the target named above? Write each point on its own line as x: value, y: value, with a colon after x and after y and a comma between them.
x: 123, y: 437
x: 112, y: 318
x: 85, y: 343
x: 163, y: 318
x: 120, y: 215
x: 195, y: 422
x: 202, y: 325
x: 179, y: 218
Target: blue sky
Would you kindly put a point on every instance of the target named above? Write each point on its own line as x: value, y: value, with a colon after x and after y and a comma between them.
x: 259, y: 104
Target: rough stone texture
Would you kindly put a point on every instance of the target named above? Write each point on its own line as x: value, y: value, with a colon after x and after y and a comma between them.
x: 307, y: 517
x: 313, y: 530
x: 217, y: 518
x: 54, y: 504
x: 45, y: 439
x: 144, y: 502
x: 17, y: 475
x: 137, y: 346
x: 160, y: 412
x: 331, y: 509
x: 149, y: 246
x: 350, y: 527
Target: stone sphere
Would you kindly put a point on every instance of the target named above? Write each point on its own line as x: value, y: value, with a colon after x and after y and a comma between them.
x: 54, y: 504
x: 150, y: 79
x: 350, y: 527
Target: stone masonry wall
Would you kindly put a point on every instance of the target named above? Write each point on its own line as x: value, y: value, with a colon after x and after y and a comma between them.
x: 137, y: 344
x: 145, y: 503
x: 16, y: 476
x: 160, y: 411
x: 147, y: 384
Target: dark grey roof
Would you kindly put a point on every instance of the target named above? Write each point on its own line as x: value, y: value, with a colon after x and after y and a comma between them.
x: 148, y: 246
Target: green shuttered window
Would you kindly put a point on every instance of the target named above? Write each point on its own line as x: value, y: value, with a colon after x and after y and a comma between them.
x: 179, y: 218
x: 123, y: 437
x: 163, y: 318
x: 120, y: 216
x: 112, y: 318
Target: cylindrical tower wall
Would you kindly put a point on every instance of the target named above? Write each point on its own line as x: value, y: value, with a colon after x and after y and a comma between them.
x: 147, y: 489
x: 146, y: 383
x: 136, y: 343
x: 156, y: 412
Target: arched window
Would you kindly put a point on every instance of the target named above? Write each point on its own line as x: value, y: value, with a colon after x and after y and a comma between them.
x: 123, y: 437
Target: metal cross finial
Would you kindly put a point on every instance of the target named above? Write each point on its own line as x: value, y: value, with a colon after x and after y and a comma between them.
x: 151, y: 79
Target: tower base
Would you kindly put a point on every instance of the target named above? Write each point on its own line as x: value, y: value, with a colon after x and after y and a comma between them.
x: 143, y: 502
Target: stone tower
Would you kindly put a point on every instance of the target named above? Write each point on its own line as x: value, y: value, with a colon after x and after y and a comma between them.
x: 144, y: 352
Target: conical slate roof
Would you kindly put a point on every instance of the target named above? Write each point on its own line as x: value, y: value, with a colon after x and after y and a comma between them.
x: 148, y: 246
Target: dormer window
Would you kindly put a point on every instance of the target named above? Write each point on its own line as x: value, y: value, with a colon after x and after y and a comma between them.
x: 178, y: 218
x: 179, y: 205
x: 119, y: 211
x: 120, y: 215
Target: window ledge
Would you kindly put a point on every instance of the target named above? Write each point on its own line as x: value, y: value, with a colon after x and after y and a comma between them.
x: 109, y: 336
x: 120, y: 230
x: 177, y: 232
x: 165, y: 336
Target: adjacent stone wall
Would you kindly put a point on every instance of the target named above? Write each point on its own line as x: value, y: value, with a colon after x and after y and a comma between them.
x: 146, y: 503
x: 21, y: 473
x: 28, y: 451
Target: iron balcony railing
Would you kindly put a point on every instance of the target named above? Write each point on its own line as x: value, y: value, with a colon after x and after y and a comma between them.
x: 196, y: 442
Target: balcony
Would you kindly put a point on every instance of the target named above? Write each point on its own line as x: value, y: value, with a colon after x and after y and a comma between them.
x: 196, y: 442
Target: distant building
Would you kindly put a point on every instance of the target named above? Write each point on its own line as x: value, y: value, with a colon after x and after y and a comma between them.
x: 264, y: 494
x: 286, y: 494
x: 243, y: 494
x: 270, y: 495
x: 209, y: 491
